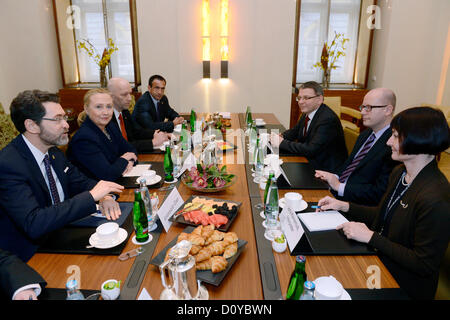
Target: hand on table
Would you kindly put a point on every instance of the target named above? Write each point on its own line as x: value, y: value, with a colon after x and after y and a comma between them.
x: 329, y: 203
x: 356, y: 231
x: 129, y: 156
x: 276, y: 139
x: 159, y: 137
x: 329, y: 178
x: 110, y: 208
x: 104, y: 188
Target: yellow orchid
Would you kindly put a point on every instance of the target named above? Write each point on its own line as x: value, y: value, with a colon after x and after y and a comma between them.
x: 101, y: 60
x: 331, y: 53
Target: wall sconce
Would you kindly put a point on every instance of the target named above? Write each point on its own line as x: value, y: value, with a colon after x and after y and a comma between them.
x: 224, y: 39
x: 206, y: 39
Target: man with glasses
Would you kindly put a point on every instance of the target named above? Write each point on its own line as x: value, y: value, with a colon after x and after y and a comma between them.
x: 40, y: 191
x: 318, y: 135
x: 152, y: 108
x: 364, y: 176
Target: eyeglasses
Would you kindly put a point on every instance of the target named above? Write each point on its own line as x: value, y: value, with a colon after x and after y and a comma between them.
x: 305, y: 98
x: 57, y: 118
x: 369, y: 108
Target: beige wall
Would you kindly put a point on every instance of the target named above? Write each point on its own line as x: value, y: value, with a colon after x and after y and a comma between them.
x: 409, y: 51
x: 261, y: 40
x: 29, y: 54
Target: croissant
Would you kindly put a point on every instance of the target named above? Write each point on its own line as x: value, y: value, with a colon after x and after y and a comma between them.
x: 230, y: 250
x: 217, y: 248
x: 195, y: 249
x: 182, y: 236
x: 218, y: 264
x: 203, y: 254
x: 207, y: 231
x: 204, y: 265
x: 216, y: 236
x: 196, y: 239
x: 229, y: 238
x: 198, y: 230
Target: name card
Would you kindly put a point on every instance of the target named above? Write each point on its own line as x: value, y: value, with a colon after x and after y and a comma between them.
x: 168, y: 208
x: 291, y: 227
x: 189, y: 162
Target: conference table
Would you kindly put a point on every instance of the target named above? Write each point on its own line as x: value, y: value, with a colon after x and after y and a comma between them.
x: 259, y: 273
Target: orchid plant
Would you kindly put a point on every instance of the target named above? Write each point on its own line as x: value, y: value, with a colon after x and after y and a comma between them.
x: 208, y: 177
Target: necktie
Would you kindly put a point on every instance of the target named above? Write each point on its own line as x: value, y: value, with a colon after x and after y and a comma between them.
x: 122, y: 127
x: 352, y: 166
x: 51, y: 181
x: 158, y: 112
x: 305, y: 127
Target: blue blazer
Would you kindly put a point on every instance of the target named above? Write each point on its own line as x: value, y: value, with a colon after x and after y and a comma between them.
x: 144, y: 113
x: 26, y: 210
x: 95, y: 155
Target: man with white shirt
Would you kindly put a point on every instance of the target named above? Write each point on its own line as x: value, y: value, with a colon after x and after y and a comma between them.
x: 364, y: 176
x: 318, y: 135
x: 142, y: 139
x: 18, y: 281
x: 40, y: 191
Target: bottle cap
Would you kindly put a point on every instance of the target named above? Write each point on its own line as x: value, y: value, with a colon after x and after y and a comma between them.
x: 309, y: 285
x: 71, y: 284
x: 300, y: 259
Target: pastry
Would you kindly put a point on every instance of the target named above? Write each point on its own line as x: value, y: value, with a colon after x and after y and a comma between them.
x: 183, y: 236
x: 230, y: 237
x: 217, y: 248
x: 218, y: 264
x: 230, y: 250
x: 203, y: 254
x: 207, y: 231
x: 196, y: 239
x: 204, y: 265
x: 198, y: 230
x: 216, y: 236
x: 195, y: 249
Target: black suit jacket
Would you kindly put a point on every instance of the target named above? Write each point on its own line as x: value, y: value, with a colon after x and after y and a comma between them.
x: 419, y: 231
x: 144, y: 113
x: 26, y: 210
x: 368, y: 182
x: 15, y: 274
x: 139, y: 137
x: 324, y: 143
x: 97, y: 156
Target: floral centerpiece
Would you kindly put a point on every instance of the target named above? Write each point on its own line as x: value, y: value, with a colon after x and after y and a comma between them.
x: 330, y: 54
x: 208, y: 178
x: 101, y: 60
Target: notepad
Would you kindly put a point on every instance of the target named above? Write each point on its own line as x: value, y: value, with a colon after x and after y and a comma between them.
x: 321, y: 221
x: 138, y: 170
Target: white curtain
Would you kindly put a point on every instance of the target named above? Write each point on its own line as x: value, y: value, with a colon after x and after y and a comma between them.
x: 319, y: 19
x: 93, y: 29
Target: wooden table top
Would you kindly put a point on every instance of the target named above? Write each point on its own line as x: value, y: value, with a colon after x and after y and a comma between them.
x: 244, y: 279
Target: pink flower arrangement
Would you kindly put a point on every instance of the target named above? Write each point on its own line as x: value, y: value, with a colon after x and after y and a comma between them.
x: 204, y: 177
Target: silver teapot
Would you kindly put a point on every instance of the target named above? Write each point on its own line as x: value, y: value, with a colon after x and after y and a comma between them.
x: 178, y: 275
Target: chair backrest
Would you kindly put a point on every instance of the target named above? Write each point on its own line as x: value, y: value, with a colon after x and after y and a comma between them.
x: 443, y: 289
x: 334, y: 103
x: 350, y: 137
x: 7, y: 129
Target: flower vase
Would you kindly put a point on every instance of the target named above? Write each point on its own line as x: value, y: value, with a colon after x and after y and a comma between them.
x: 326, y: 79
x: 103, y: 78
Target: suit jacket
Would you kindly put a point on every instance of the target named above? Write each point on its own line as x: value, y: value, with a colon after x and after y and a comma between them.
x: 97, y: 156
x: 139, y: 137
x: 368, y: 182
x: 324, y: 143
x: 144, y: 113
x: 26, y: 210
x: 418, y: 233
x: 15, y: 274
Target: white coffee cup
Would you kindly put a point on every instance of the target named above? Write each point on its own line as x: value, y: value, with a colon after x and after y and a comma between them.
x: 259, y: 121
x: 110, y: 294
x: 293, y: 200
x: 328, y: 288
x: 107, y: 231
x: 149, y: 175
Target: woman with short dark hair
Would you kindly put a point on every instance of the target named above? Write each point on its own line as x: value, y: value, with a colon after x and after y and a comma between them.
x: 410, y: 228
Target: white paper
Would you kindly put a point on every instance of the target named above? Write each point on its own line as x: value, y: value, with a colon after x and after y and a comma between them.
x: 189, y: 162
x: 197, y: 137
x: 291, y: 227
x: 321, y: 221
x: 138, y: 170
x: 283, y: 173
x: 168, y: 208
x: 144, y: 295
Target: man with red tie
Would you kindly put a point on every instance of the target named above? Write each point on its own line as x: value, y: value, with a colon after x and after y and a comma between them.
x: 363, y: 178
x: 142, y: 139
x: 318, y: 135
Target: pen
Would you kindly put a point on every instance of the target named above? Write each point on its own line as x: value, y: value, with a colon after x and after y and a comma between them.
x: 315, y: 207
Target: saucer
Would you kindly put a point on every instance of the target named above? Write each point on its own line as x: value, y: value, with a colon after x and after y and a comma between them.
x: 260, y: 124
x: 96, y: 243
x: 155, y: 180
x: 171, y: 182
x: 344, y: 296
x: 150, y: 238
x: 302, y: 207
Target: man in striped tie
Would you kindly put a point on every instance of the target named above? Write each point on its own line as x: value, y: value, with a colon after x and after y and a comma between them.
x: 364, y: 175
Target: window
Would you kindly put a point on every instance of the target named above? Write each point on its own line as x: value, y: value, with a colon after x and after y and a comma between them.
x: 96, y: 21
x: 319, y: 20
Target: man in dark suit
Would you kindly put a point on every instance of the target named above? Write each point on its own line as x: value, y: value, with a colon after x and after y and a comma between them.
x: 18, y: 281
x: 142, y: 139
x: 152, y: 108
x: 363, y: 178
x: 318, y: 135
x: 40, y: 191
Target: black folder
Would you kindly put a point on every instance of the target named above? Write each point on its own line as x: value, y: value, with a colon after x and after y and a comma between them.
x: 301, y: 176
x: 73, y: 240
x: 130, y: 182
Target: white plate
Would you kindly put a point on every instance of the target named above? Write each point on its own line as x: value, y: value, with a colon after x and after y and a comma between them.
x: 260, y: 124
x: 150, y: 238
x: 94, y: 241
x: 155, y: 180
x: 302, y: 207
x: 345, y: 296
